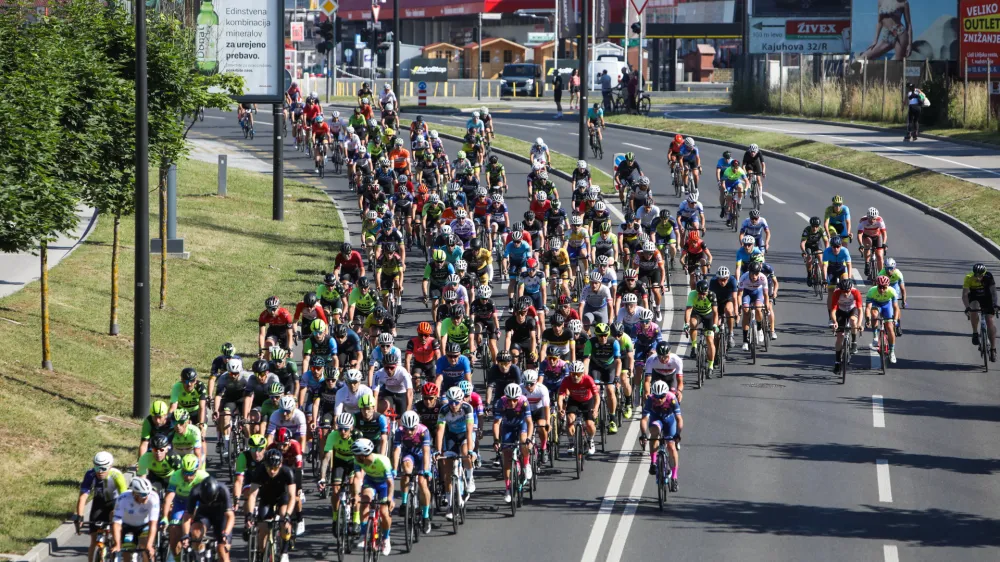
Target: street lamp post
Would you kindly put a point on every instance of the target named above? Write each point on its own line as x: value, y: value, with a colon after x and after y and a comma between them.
x: 140, y: 344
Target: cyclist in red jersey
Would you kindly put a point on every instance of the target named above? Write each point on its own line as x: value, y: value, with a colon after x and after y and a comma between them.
x: 579, y: 396
x: 349, y: 261
x: 422, y: 353
x: 275, y: 321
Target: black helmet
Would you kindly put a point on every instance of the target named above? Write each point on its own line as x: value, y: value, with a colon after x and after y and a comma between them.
x: 390, y: 248
x: 363, y: 282
x: 754, y: 267
x: 340, y: 330
x: 558, y: 320
x: 420, y: 118
x: 211, y: 491
x: 329, y: 279
x: 504, y: 356
x: 380, y: 313
x: 845, y: 284
x: 617, y: 329
x: 309, y: 299
x: 629, y: 216
x: 188, y: 374
x: 346, y: 247
x: 475, y: 244
x: 702, y: 286
x: 979, y: 269
x: 727, y: 154
x: 160, y: 441
x: 458, y: 310
x: 664, y: 213
x: 453, y: 348
x: 260, y: 366
x: 529, y: 216
x: 814, y: 221
x: 662, y: 348
x: 494, y: 159
x: 272, y: 458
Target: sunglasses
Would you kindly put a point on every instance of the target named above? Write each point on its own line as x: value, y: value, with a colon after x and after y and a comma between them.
x: 101, y: 469
x: 453, y: 357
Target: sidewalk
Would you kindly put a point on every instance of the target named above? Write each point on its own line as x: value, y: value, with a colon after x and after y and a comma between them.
x: 17, y: 270
x: 970, y: 163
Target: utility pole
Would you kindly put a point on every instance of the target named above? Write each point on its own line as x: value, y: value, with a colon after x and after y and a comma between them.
x: 479, y: 53
x: 584, y: 79
x: 395, y: 52
x: 555, y: 52
x: 140, y: 345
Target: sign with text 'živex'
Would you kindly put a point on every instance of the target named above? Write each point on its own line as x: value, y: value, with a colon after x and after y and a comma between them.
x: 244, y: 37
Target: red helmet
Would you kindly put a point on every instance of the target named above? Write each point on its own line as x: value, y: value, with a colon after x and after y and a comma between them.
x: 282, y: 435
x: 678, y: 138
x: 424, y: 329
x: 430, y: 389
x: 882, y: 281
x: 532, y: 263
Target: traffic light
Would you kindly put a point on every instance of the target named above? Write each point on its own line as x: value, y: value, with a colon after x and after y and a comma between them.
x: 325, y: 39
x: 636, y: 28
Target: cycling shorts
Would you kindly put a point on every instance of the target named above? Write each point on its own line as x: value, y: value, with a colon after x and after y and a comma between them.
x: 753, y: 296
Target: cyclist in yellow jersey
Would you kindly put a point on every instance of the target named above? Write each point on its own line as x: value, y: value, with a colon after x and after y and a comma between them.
x: 979, y: 295
x: 557, y: 265
x: 389, y: 274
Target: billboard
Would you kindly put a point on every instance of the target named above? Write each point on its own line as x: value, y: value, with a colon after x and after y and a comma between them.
x: 244, y: 37
x: 910, y: 29
x: 566, y: 68
x: 800, y: 35
x: 801, y: 8
x: 423, y: 69
x: 980, y: 37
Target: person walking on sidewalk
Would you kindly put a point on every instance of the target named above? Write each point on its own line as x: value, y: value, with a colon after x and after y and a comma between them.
x: 915, y: 101
x: 557, y: 88
x: 574, y: 90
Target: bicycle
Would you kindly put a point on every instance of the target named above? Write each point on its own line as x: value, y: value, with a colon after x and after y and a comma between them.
x: 411, y: 512
x: 456, y: 503
x: 272, y: 551
x: 721, y: 346
x: 603, y: 416
x: 595, y: 144
x: 702, y: 358
x: 580, y: 443
x: 373, y: 538
x: 845, y: 351
x: 985, y: 344
x: 246, y: 125
x: 691, y: 186
x: 816, y: 274
x: 755, y: 192
x: 753, y: 334
x: 554, y: 425
x: 882, y: 339
x: 345, y: 509
x: 517, y: 480
x: 675, y: 174
x: 338, y: 156
x: 664, y: 482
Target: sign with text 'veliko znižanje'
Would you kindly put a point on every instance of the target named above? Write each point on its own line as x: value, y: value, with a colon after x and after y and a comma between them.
x: 980, y: 37
x: 244, y: 37
x: 423, y: 69
x: 799, y: 35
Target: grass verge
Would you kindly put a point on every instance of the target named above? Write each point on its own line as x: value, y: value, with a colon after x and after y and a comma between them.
x: 961, y: 199
x: 239, y: 256
x: 560, y: 161
x: 691, y: 101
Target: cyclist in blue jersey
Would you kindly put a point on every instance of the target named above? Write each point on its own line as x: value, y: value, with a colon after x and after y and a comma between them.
x: 690, y: 155
x: 838, y: 217
x: 756, y: 226
x: 747, y: 250
x: 516, y: 252
x: 836, y: 266
x: 595, y: 120
x: 720, y: 166
x: 453, y: 368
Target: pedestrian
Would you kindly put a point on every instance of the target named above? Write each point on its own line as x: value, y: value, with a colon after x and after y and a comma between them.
x: 606, y: 90
x: 557, y: 88
x: 632, y: 87
x: 574, y: 90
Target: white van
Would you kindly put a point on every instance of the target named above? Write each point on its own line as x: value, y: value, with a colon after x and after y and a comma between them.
x: 613, y: 64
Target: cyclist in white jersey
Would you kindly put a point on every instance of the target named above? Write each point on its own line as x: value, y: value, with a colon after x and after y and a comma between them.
x: 752, y: 290
x: 347, y: 397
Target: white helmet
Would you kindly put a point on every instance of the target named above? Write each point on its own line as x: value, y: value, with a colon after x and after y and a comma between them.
x: 234, y: 365
x: 350, y: 129
x: 659, y: 388
x: 336, y: 115
x: 434, y: 133
x: 388, y: 106
x: 539, y: 141
x: 723, y: 271
x: 313, y: 94
x: 453, y: 279
x: 345, y: 420
x: 646, y: 315
x: 475, y: 115
x: 689, y: 141
x: 513, y: 391
x: 387, y: 87
x: 409, y: 419
x: 371, y: 215
x: 692, y: 197
x: 872, y: 213
x: 595, y: 277
x: 455, y: 394
x: 103, y: 460
x: 648, y: 246
x: 754, y: 148
x: 461, y: 265
x: 582, y: 164
x: 287, y: 404
x: 748, y: 239
x: 385, y: 338
x: 576, y: 367
x: 575, y: 326
x: 141, y: 486
x: 485, y: 291
x: 446, y: 229
x: 600, y: 206
x: 485, y: 110
x: 530, y: 376
x: 364, y: 447
x: 353, y: 375
x: 630, y: 299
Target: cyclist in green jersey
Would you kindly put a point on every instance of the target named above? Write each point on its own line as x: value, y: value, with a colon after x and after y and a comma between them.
x: 456, y: 329
x: 187, y: 437
x: 702, y: 308
x: 338, y: 463
x: 376, y: 486
x: 495, y: 173
x: 627, y: 350
x: 883, y: 299
x: 158, y: 422
x: 175, y: 502
x: 246, y: 463
x: 190, y: 394
x: 595, y: 120
x: 362, y: 300
x: 159, y: 463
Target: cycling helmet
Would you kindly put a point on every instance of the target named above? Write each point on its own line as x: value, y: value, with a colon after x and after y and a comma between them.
x: 845, y: 284
x: 814, y: 221
x: 747, y: 239
x: 539, y: 142
x: 692, y: 197
x: 283, y: 435
x: 631, y: 273
x: 425, y: 329
x: 702, y: 286
x: 484, y: 292
x: 257, y: 441
x: 516, y: 236
x: 581, y: 164
x: 575, y: 326
x: 277, y: 389
x: 434, y: 133
x: 836, y: 241
x: 272, y: 303
x: 450, y: 296
x: 659, y: 389
x: 662, y: 349
x: 481, y: 192
x: 630, y: 298
x: 754, y: 148
x: 754, y: 214
x: 838, y: 200
x: 629, y: 156
x: 890, y: 264
x: 539, y: 196
x: 287, y: 404
x: 455, y: 394
x: 494, y: 159
x: 345, y: 421
x: 979, y: 269
x: 446, y: 229
x: 160, y: 408
x: 260, y: 366
x: 461, y: 214
x: 754, y: 267
x: 504, y: 356
x: 723, y: 271
x: 362, y: 447
x: 600, y: 207
x: 872, y: 213
x: 371, y: 215
x: 689, y: 142
x: 530, y: 377
x: 390, y: 359
x: 460, y: 154
x: 353, y: 375
x: 882, y: 281
x: 532, y: 263
x: 409, y: 419
x: 466, y: 387
x: 366, y: 401
x: 181, y: 416
x: 103, y: 460
x: 453, y: 348
x: 438, y: 255
x: 160, y: 441
x: 385, y: 338
x: 453, y: 279
x: 363, y: 283
x: 576, y: 367
x: 648, y: 246
x: 727, y: 154
x: 595, y: 277
x: 629, y: 216
x: 228, y: 349
x: 576, y: 220
x: 429, y: 389
x: 512, y: 391
x: 602, y: 329
x: 555, y: 244
x: 497, y: 198
x: 190, y: 463
x: 645, y: 315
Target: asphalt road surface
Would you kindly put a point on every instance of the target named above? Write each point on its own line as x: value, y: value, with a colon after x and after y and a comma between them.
x: 779, y: 461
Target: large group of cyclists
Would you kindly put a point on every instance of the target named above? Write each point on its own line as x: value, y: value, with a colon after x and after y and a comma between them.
x: 368, y: 415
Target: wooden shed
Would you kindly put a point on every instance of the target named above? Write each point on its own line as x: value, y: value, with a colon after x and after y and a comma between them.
x: 448, y: 52
x: 545, y: 51
x: 496, y: 52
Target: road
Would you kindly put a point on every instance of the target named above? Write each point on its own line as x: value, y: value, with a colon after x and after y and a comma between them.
x: 779, y: 461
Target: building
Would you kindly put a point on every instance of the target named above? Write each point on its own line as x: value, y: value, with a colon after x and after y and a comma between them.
x: 496, y: 52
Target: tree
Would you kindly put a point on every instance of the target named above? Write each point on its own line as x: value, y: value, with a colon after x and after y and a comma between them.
x: 39, y: 199
x: 176, y: 92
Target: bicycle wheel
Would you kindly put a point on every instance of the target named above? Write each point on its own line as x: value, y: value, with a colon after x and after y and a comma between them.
x: 534, y: 469
x: 984, y: 346
x: 269, y: 554
x: 515, y: 484
x: 251, y: 132
x: 553, y: 443
x: 702, y: 364
x: 721, y: 349
x: 578, y: 452
x: 453, y: 508
x: 845, y: 358
x: 602, y: 421
x: 408, y: 521
x: 246, y: 131
x: 753, y: 342
x: 661, y: 480
x: 600, y: 149
x: 767, y: 331
x: 882, y: 348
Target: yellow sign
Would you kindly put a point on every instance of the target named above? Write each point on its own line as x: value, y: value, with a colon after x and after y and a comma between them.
x: 328, y: 6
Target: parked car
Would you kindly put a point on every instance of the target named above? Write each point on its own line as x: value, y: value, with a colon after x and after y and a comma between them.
x: 524, y: 78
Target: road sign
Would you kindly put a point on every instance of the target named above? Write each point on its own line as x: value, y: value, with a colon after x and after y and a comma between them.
x: 421, y: 85
x: 639, y: 8
x: 298, y: 30
x: 348, y: 54
x: 288, y: 80
x: 329, y: 7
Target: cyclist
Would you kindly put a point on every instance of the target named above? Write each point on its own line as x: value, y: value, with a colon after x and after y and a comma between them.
x: 307, y: 310
x: 628, y: 171
x: 649, y: 264
x: 602, y: 357
x: 690, y: 215
x: 882, y: 299
x: 734, y: 180
x: 230, y: 389
x: 373, y: 425
x: 136, y: 514
x: 159, y: 462
x: 275, y: 321
x: 837, y: 217
x: 752, y: 291
x: 413, y: 448
x: 979, y: 295
x: 640, y: 193
x: 872, y: 236
x: 422, y: 354
x: 186, y: 438
x: 512, y: 425
x: 674, y: 151
x: 596, y: 299
x: 702, y: 308
x: 661, y: 416
x: 899, y: 285
x: 836, y: 265
x: 723, y: 285
x: 720, y: 166
x: 105, y: 484
x: 211, y: 509
x: 578, y: 245
x: 521, y: 330
x: 580, y: 173
x: 436, y: 273
x: 539, y: 152
x: 175, y: 502
x: 349, y: 395
x: 664, y: 232
x: 246, y: 464
x: 486, y: 320
x: 846, y: 313
x: 158, y: 422
x: 696, y: 258
x: 516, y: 251
x: 628, y: 315
x: 272, y: 493
x: 219, y: 365
x: 580, y: 397
x: 453, y: 367
x: 392, y: 385
x: 604, y: 242
x: 691, y: 161
x: 531, y: 283
x: 319, y: 344
x: 349, y: 354
x: 338, y: 462
x: 455, y: 433
x: 666, y: 366
x: 540, y: 404
x: 814, y: 240
x: 753, y: 163
x: 756, y: 226
x: 647, y: 213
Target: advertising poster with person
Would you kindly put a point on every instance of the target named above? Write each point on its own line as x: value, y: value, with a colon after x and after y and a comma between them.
x: 904, y: 29
x: 243, y: 37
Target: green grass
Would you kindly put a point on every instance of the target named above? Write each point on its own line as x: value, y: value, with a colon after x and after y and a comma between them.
x: 239, y: 256
x: 691, y: 101
x: 560, y: 161
x: 961, y: 199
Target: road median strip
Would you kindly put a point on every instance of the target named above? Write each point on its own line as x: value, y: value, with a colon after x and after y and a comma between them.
x: 969, y: 205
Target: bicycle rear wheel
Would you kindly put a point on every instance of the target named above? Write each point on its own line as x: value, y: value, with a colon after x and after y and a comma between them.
x: 845, y: 358
x: 602, y: 420
x: 702, y: 364
x: 883, y: 347
x: 515, y: 484
x: 753, y: 342
x: 661, y: 480
x: 455, y: 498
x: 578, y: 452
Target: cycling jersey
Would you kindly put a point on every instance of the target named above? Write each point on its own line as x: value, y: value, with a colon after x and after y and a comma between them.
x: 846, y: 300
x: 582, y: 391
x: 595, y: 114
x: 161, y: 469
x: 340, y: 446
x: 372, y: 429
x: 723, y: 163
x: 812, y: 237
x: 346, y: 400
x: 701, y: 305
x: 871, y: 227
x: 423, y: 349
x: 129, y: 512
x: 517, y: 252
x: 456, y: 332
x: 646, y: 262
x: 731, y: 177
x: 595, y: 299
x: 450, y: 374
x: 538, y: 398
x: 689, y: 211
x: 456, y: 422
x: 670, y: 371
x: 837, y: 218
x: 187, y: 442
x: 413, y: 442
x: 320, y: 347
x: 895, y: 278
x: 603, y: 246
x: 876, y: 296
x: 689, y: 153
x: 603, y: 354
x: 398, y: 382
x: 437, y: 274
x: 979, y: 287
x: 723, y: 293
x: 180, y: 485
x: 755, y: 229
x: 748, y: 283
x: 837, y: 260
x: 190, y: 400
x: 532, y: 283
x: 379, y: 469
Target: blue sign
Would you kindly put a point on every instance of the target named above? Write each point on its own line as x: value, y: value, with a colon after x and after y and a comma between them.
x: 619, y: 158
x: 421, y: 85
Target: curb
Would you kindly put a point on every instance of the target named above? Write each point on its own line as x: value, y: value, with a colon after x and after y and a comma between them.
x: 863, y: 126
x: 963, y: 227
x: 47, y: 546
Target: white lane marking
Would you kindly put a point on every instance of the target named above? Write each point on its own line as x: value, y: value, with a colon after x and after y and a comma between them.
x: 215, y: 117
x: 804, y: 216
x: 878, y: 413
x: 890, y: 553
x: 858, y: 279
x: 884, y: 486
x: 637, y: 146
x: 591, y: 550
x: 525, y: 126
x: 775, y: 199
x: 848, y: 140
